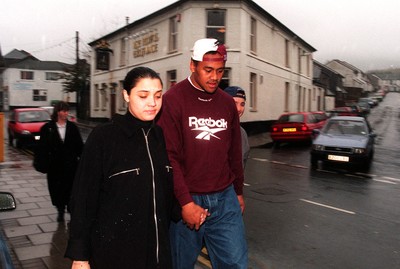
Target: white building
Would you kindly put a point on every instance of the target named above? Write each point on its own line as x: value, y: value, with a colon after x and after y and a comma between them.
x: 29, y: 82
x: 270, y: 62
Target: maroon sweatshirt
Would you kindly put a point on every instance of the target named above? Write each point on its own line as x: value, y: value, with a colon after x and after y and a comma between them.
x: 202, y: 133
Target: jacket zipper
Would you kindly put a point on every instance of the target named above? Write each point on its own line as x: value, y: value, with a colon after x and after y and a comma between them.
x: 126, y: 171
x: 154, y: 194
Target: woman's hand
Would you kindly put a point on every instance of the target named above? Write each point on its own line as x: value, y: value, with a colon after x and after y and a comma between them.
x: 80, y: 265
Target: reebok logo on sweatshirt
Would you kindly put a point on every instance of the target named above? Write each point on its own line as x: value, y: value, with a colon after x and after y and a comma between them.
x: 208, y: 127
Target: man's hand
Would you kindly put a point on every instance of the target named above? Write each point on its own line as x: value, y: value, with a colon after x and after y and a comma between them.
x: 241, y: 202
x: 194, y: 215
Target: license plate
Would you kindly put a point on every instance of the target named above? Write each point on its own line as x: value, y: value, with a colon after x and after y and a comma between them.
x: 289, y: 130
x: 37, y: 137
x: 338, y: 158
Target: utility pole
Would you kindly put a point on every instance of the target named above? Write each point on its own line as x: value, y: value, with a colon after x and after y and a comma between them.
x: 78, y: 91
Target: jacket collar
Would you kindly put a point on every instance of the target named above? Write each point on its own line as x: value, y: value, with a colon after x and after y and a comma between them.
x: 131, y: 125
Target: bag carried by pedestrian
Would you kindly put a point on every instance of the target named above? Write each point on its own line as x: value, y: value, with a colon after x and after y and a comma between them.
x: 41, y: 157
x: 41, y: 160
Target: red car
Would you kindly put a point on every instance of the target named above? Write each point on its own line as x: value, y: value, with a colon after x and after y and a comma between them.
x: 297, y: 126
x: 24, y: 125
x: 345, y: 111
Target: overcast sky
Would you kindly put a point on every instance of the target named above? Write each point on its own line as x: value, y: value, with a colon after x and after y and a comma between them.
x: 364, y: 33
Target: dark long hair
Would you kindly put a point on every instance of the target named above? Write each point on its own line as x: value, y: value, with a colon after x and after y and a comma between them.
x: 138, y: 73
x: 60, y: 106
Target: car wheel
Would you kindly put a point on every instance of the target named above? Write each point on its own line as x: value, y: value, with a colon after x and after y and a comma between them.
x: 18, y: 143
x: 276, y: 144
x: 314, y: 162
x: 10, y: 139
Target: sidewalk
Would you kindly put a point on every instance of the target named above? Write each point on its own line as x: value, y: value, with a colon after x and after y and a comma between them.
x: 34, y: 237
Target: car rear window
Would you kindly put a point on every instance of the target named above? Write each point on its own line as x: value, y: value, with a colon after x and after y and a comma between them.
x: 292, y: 118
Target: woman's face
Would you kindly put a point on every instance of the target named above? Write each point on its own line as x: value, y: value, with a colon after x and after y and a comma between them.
x: 145, y: 99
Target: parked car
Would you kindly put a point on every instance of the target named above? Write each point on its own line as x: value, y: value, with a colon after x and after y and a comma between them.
x: 7, y: 202
x: 297, y: 126
x: 371, y: 102
x: 344, y: 139
x: 344, y: 111
x: 24, y: 125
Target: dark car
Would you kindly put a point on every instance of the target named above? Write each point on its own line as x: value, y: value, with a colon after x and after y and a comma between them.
x: 344, y: 139
x: 24, y: 125
x: 297, y: 126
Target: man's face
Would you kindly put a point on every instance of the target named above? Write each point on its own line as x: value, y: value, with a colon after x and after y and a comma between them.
x: 240, y: 105
x: 208, y: 73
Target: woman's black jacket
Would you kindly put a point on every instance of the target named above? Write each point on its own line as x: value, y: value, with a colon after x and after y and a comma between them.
x: 122, y: 197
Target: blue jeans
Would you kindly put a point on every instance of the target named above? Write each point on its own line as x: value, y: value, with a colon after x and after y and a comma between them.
x: 223, y: 234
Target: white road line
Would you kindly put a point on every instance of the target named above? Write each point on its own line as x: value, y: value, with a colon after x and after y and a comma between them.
x: 385, y: 181
x: 261, y: 160
x: 327, y: 206
x: 392, y: 178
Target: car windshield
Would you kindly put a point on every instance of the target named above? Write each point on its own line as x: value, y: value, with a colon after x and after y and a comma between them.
x: 292, y: 118
x: 345, y: 127
x: 33, y: 116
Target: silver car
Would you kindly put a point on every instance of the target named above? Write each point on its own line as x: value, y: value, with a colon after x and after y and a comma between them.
x: 344, y: 139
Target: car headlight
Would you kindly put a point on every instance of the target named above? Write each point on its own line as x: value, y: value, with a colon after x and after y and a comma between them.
x: 359, y: 150
x: 318, y: 147
x: 25, y: 132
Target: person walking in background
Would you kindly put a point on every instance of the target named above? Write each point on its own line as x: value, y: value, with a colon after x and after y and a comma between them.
x: 61, y: 145
x: 123, y: 193
x: 239, y: 96
x: 202, y: 131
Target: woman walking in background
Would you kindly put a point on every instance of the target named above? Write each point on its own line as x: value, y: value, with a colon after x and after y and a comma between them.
x: 61, y: 144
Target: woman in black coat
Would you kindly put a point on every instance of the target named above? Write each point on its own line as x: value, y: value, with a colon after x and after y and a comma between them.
x: 61, y: 142
x: 122, y: 196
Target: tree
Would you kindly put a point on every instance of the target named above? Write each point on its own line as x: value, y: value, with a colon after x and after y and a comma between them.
x: 78, y: 80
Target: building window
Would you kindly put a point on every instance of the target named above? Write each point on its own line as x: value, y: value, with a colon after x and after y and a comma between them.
x: 253, y: 91
x: 122, y: 59
x: 171, y: 78
x: 173, y: 34
x: 96, y: 96
x: 287, y: 53
x: 253, y: 35
x: 216, y: 25
x: 53, y: 76
x: 28, y: 75
x: 225, y: 81
x: 120, y: 97
x: 39, y: 95
x: 299, y: 59
x: 287, y: 96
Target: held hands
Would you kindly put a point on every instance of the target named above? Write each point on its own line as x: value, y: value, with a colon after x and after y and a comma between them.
x: 194, y: 215
x: 241, y: 202
x: 80, y: 265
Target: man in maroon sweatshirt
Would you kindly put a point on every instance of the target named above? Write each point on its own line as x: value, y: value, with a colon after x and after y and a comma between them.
x: 202, y: 132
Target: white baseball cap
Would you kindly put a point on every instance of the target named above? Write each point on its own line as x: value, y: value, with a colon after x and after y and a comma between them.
x: 202, y: 46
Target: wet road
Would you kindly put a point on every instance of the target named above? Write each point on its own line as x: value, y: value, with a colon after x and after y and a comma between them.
x: 335, y: 218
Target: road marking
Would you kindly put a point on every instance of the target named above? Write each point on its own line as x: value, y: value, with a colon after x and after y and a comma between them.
x: 392, y: 179
x: 330, y: 207
x: 261, y: 160
x: 385, y: 181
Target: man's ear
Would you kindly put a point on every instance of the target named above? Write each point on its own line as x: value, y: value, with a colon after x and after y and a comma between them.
x: 192, y: 66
